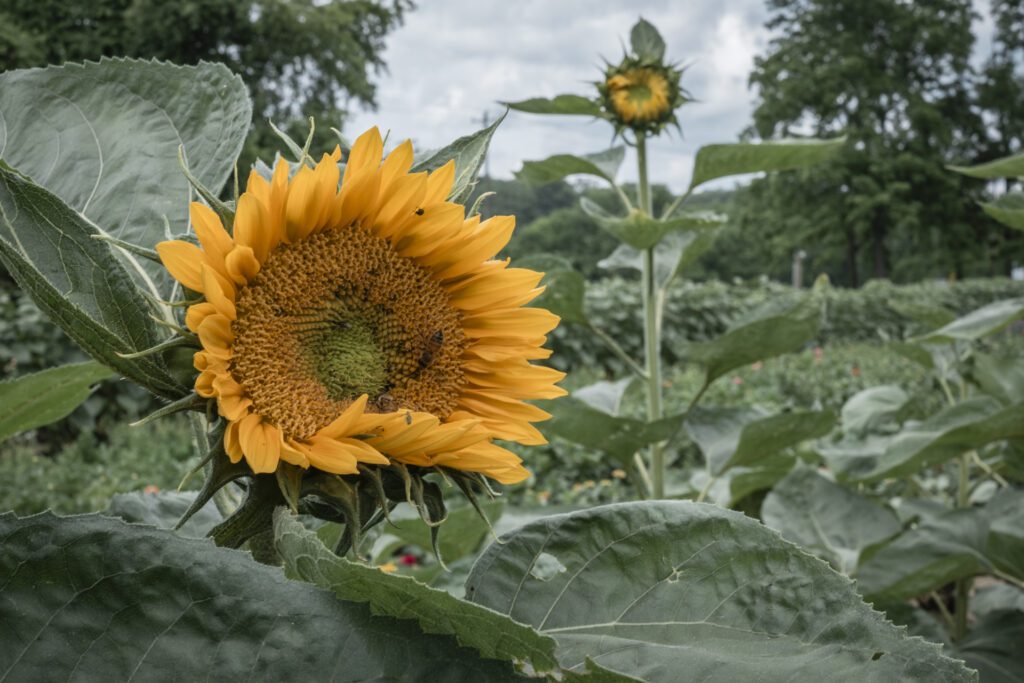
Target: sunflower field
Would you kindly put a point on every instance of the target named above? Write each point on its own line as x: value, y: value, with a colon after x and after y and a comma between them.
x: 365, y: 444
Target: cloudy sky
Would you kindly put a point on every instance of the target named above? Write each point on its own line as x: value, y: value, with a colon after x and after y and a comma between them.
x: 453, y: 60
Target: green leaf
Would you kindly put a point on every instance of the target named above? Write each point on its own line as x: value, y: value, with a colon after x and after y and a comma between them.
x: 604, y: 396
x: 641, y: 231
x: 999, y: 377
x: 719, y: 161
x: 163, y: 510
x: 776, y: 328
x: 731, y: 437
x: 829, y: 520
x: 1000, y: 596
x: 979, y: 323
x: 104, y: 137
x: 646, y: 42
x: 78, y: 282
x: 1007, y: 209
x: 1006, y: 167
x: 855, y: 456
x: 659, y: 588
x: 672, y: 255
x: 560, y: 104
x: 937, y: 552
x: 869, y: 408
x: 493, y: 635
x: 620, y: 437
x: 992, y: 646
x: 564, y: 287
x: 957, y: 429
x: 1005, y: 543
x: 469, y: 153
x: 94, y: 598
x: 604, y: 165
x: 43, y: 397
x: 735, y: 484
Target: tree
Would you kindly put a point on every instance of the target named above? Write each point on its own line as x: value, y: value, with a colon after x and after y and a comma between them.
x: 895, y: 77
x: 299, y: 57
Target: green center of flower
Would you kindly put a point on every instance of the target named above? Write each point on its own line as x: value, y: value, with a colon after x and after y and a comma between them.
x: 345, y: 354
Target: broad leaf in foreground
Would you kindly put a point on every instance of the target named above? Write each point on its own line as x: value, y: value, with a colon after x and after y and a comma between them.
x: 829, y: 520
x: 979, y: 323
x: 94, y: 598
x: 43, y: 397
x: 658, y: 589
x: 104, y: 137
x: 163, y: 510
x: 78, y: 282
x: 493, y: 635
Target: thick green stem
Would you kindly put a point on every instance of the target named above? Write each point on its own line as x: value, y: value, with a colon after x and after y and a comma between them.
x: 652, y: 333
x: 963, y: 586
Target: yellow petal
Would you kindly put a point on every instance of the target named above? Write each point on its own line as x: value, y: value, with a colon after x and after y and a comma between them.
x: 232, y: 445
x: 253, y: 226
x: 366, y: 154
x: 216, y: 336
x: 241, y: 264
x: 215, y: 295
x: 302, y: 208
x: 261, y: 443
x: 208, y: 228
x: 440, y: 184
x: 183, y: 261
x: 343, y: 424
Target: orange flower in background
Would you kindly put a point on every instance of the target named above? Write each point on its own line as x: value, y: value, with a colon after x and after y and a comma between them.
x: 365, y: 322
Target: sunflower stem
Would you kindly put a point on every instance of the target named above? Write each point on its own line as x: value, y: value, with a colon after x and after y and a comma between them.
x: 652, y: 333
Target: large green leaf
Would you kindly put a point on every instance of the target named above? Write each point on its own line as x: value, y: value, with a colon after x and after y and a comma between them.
x: 671, y: 591
x: 1005, y: 543
x: 736, y: 483
x: 469, y: 153
x: 1006, y: 167
x: 854, y: 457
x: 731, y: 437
x: 719, y: 161
x: 672, y: 255
x: 957, y: 429
x: 77, y: 281
x: 493, y: 635
x: 977, y: 324
x: 564, y: 287
x: 999, y: 376
x: 604, y: 165
x: 993, y: 646
x: 104, y: 138
x: 1008, y: 210
x: 868, y: 408
x: 646, y: 42
x: 94, y: 598
x: 560, y: 104
x: 935, y: 553
x: 776, y: 328
x: 619, y: 437
x: 44, y: 397
x: 831, y: 521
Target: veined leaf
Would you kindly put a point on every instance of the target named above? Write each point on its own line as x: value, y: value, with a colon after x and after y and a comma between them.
x: 957, y: 429
x: 603, y: 165
x: 641, y: 231
x: 163, y: 509
x: 719, y: 161
x: 776, y: 328
x: 43, y: 397
x: 468, y: 152
x: 493, y: 635
x: 104, y: 137
x: 992, y: 646
x: 672, y: 255
x: 560, y: 104
x: 1006, y: 167
x: 731, y: 437
x: 461, y: 535
x: 829, y: 520
x: 78, y: 282
x: 979, y: 323
x: 694, y: 589
x: 94, y: 598
x: 868, y: 408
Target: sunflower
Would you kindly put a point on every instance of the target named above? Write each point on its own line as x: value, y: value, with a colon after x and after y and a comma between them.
x: 364, y: 323
x: 640, y: 95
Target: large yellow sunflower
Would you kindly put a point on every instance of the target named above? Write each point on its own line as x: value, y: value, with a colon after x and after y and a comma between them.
x: 366, y: 322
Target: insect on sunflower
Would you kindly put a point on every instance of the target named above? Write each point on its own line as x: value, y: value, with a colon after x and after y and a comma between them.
x: 365, y: 324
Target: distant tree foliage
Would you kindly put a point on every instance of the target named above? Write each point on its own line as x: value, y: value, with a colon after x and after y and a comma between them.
x: 896, y: 78
x: 299, y: 58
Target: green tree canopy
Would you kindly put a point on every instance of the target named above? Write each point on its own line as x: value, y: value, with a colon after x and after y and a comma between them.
x: 299, y: 57
x: 896, y: 78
